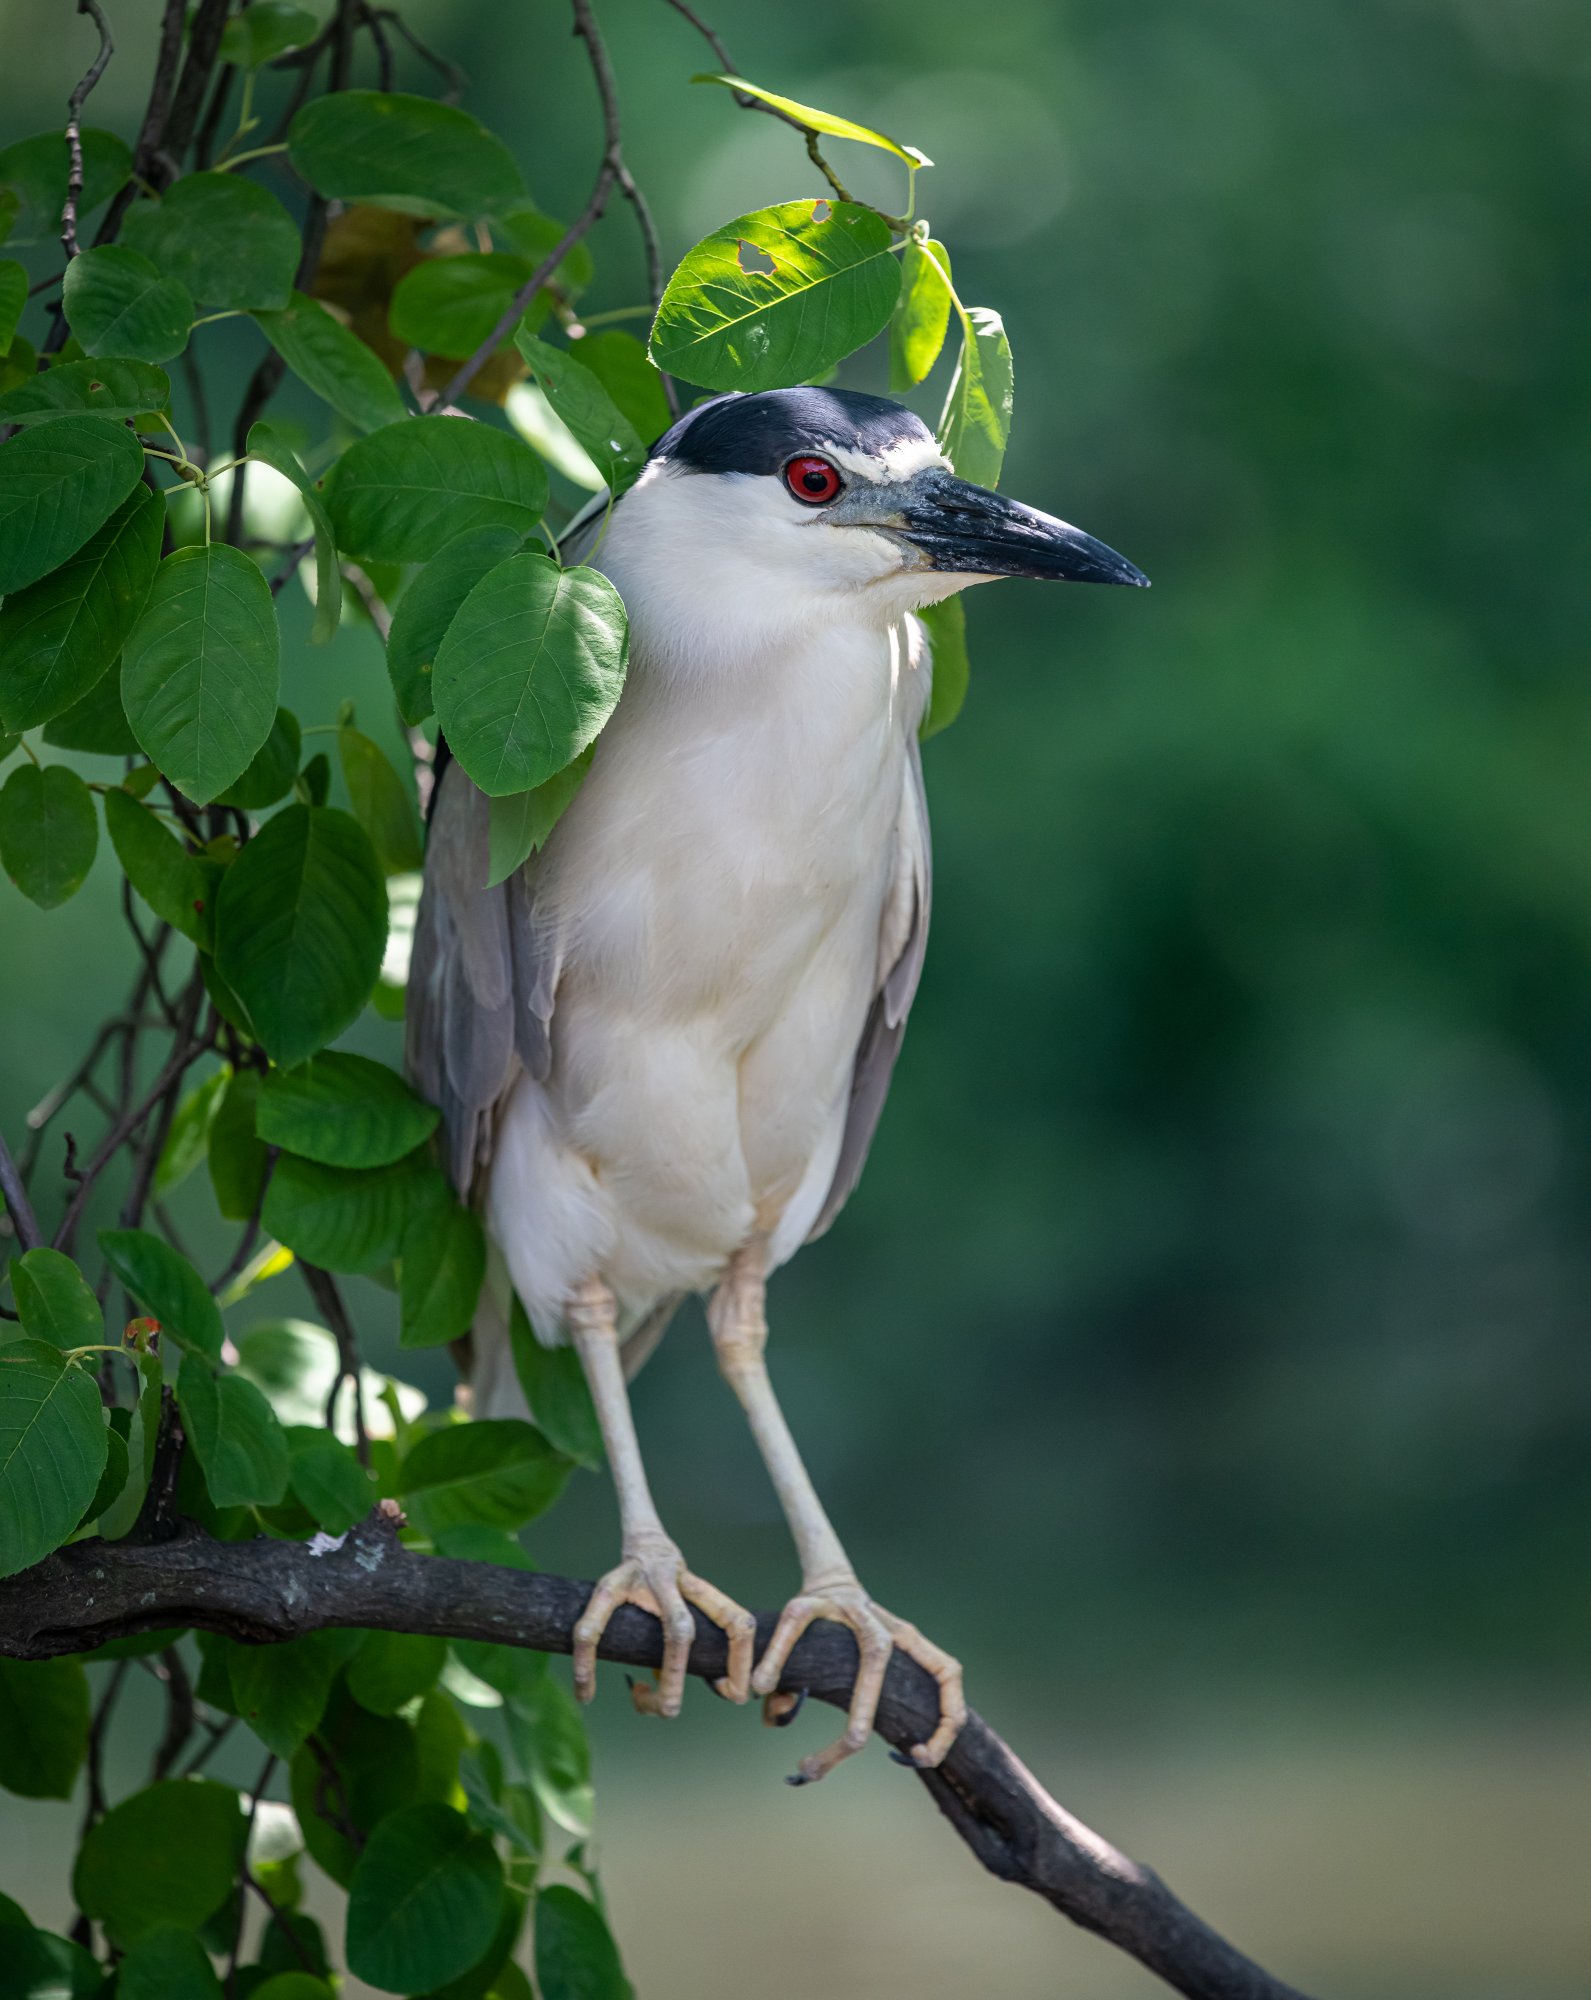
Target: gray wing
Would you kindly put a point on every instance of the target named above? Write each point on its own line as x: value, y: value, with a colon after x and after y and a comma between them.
x: 903, y: 942
x: 481, y: 980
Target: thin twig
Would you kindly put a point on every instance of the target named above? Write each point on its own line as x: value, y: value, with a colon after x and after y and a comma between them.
x: 450, y: 73
x: 179, y: 1713
x: 236, y: 1950
x: 217, y: 1729
x: 371, y: 19
x: 74, y: 124
x: 20, y: 1209
x: 168, y: 56
x: 330, y: 1300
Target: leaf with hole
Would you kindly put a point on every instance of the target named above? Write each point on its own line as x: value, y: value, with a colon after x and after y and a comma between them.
x: 167, y: 1855
x: 530, y: 670
x: 171, y: 881
x: 922, y: 313
x: 346, y: 1218
x: 60, y: 636
x: 55, y: 1301
x: 343, y: 1110
x: 267, y: 444
x: 200, y: 669
x: 58, y: 484
x: 167, y: 1286
x: 977, y: 416
x: 424, y: 1902
x: 381, y: 804
x: 52, y: 1450
x: 407, y: 153
x: 117, y: 302
x: 391, y: 493
x: 43, y: 1726
x: 333, y: 362
x: 428, y: 606
x: 36, y: 172
x: 442, y: 1262
x: 224, y: 238
x: 777, y: 297
x: 301, y: 924
x: 118, y: 389
x: 48, y: 832
x: 235, y: 1437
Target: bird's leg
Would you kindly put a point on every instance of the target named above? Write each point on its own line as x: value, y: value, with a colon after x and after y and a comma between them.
x: 829, y: 1587
x: 651, y: 1572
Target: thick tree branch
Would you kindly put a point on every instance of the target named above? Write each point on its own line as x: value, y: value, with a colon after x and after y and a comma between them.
x: 263, y: 1591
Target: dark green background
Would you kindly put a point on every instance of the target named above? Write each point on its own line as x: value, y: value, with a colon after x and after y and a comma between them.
x: 1204, y: 1356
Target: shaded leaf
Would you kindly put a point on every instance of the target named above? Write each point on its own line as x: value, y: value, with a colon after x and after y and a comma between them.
x: 498, y: 1472
x: 97, y: 723
x: 167, y: 1855
x: 389, y: 493
x: 118, y: 1466
x: 518, y: 825
x: 58, y: 483
x: 429, y: 605
x: 281, y: 1691
x: 36, y: 172
x: 48, y: 832
x: 555, y: 1389
x: 392, y: 1668
x: 13, y: 297
x: 345, y: 1111
x: 117, y: 303
x: 622, y: 365
x: 576, y: 1958
x: 449, y: 305
x: 272, y: 770
x: 977, y: 414
x: 301, y: 923
x: 328, y: 1480
x: 402, y: 152
x: 268, y: 29
x: 223, y: 237
x: 167, y: 1286
x: 55, y: 1301
x: 87, y: 389
x: 52, y: 1450
x: 171, y: 881
x: 267, y: 444
x: 347, y: 1219
x: 188, y: 1141
x: 549, y: 1739
x: 381, y: 804
x: 43, y: 1726
x: 922, y: 313
x: 581, y: 402
x: 727, y: 324
x: 235, y: 1437
x: 333, y: 362
x: 167, y: 1964
x: 236, y: 1156
x: 947, y: 635
x: 530, y: 670
x: 424, y: 1902
x: 820, y: 121
x: 442, y: 1262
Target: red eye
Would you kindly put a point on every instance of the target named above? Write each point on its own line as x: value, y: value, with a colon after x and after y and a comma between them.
x: 812, y: 480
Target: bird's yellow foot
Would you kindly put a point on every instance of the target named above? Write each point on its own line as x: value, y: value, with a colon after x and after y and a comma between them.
x: 878, y: 1633
x: 653, y: 1575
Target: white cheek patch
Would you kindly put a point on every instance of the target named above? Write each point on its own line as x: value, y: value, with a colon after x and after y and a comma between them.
x: 900, y: 461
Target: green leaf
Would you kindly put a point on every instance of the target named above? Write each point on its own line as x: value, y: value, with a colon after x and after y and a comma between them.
x: 87, y: 389
x: 406, y: 153
x: 97, y: 723
x: 117, y: 303
x: 328, y: 1479
x: 388, y: 493
x: 377, y: 1763
x: 52, y: 1450
x: 270, y: 774
x: 333, y: 362
x: 392, y: 1668
x: 499, y: 1472
x: 347, y: 1219
x: 167, y: 1855
x: 57, y: 485
x: 316, y: 779
x: 223, y: 237
x: 48, y: 832
x: 819, y: 121
x: 291, y: 1985
x: 41, y: 1966
x: 236, y: 1438
x: 580, y: 401
x: 530, y: 670
x: 200, y: 669
x: 236, y: 1156
x: 381, y: 805
x: 428, y: 606
x: 55, y: 1301
x: 726, y: 324
x: 549, y: 1739
x: 167, y: 1964
x: 442, y: 1262
x: 60, y: 636
x: 167, y: 1286
x: 301, y: 924
x: 266, y: 443
x: 35, y: 172
x: 424, y: 1902
x: 519, y: 824
x: 118, y: 1466
x: 449, y: 305
x: 977, y: 415
x: 947, y: 635
x: 555, y: 1389
x: 268, y: 29
x: 538, y: 236
x: 188, y: 1141
x: 13, y: 297
x: 345, y: 1111
x: 921, y: 315
x: 281, y: 1691
x: 43, y: 1726
x: 170, y: 879
x: 576, y: 1958
x: 621, y: 364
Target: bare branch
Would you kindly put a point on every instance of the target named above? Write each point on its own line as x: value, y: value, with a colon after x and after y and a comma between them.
x: 20, y: 1209
x: 330, y: 1300
x: 74, y: 124
x: 264, y: 1591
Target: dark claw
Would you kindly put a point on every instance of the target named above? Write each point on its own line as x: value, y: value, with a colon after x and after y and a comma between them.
x: 798, y: 1778
x: 784, y: 1721
x: 900, y: 1757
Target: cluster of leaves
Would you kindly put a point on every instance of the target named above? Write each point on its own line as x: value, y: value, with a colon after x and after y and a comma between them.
x: 392, y: 262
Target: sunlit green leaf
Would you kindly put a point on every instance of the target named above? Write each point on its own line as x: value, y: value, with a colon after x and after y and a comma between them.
x: 407, y: 153
x: 189, y: 1138
x: 531, y: 668
x: 58, y: 483
x: 429, y: 605
x: 582, y: 403
x: 43, y: 1727
x: 391, y: 494
x: 167, y: 1855
x: 200, y: 668
x: 55, y: 1301
x: 819, y: 121
x: 48, y: 832
x: 166, y: 1285
x: 621, y: 364
x: 977, y: 416
x: 223, y: 237
x: 549, y: 1739
x: 52, y: 1450
x: 117, y: 302
x: 301, y: 923
x: 35, y: 172
x: 922, y: 313
x: 343, y: 1110
x: 333, y: 362
x: 424, y: 1902
x: 519, y: 823
x: 170, y: 879
x: 776, y: 297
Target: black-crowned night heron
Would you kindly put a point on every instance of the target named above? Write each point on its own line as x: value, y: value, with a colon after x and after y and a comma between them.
x: 662, y: 1048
